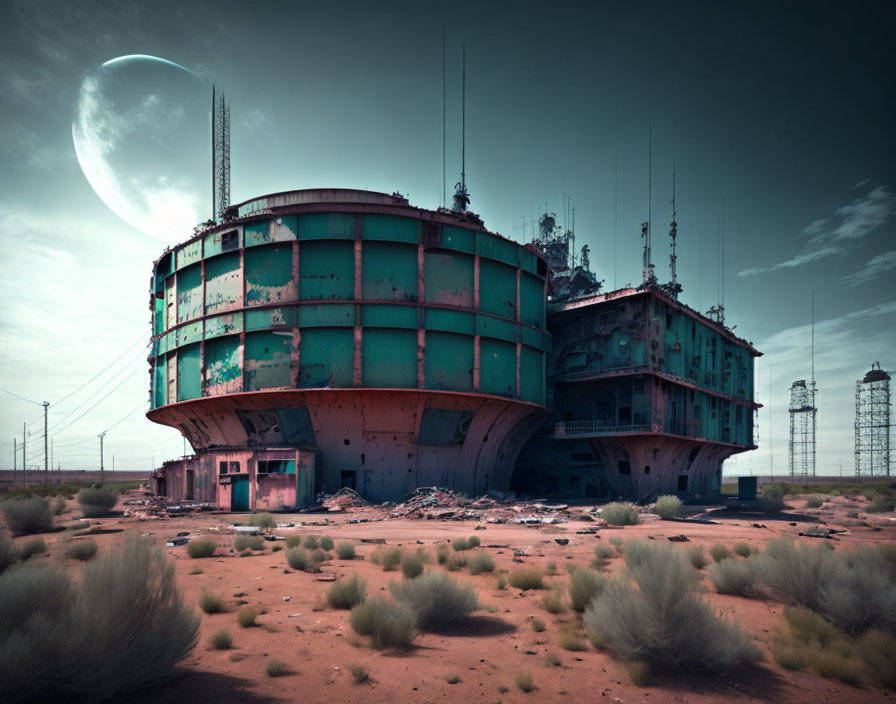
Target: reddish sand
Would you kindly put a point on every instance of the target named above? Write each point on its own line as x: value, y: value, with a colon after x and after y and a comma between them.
x: 487, y: 652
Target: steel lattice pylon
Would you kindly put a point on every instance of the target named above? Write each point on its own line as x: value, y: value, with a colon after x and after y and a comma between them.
x: 873, y: 424
x: 803, y: 418
x: 220, y: 155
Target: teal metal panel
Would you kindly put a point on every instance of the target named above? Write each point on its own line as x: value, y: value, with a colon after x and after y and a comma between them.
x: 532, y: 300
x: 267, y: 360
x: 389, y: 316
x: 188, y: 334
x: 390, y: 227
x: 189, y: 254
x: 449, y: 278
x: 528, y: 261
x: 160, y: 383
x: 269, y: 277
x: 459, y: 238
x: 326, y: 270
x: 222, y: 361
x: 326, y: 315
x: 158, y: 315
x: 239, y: 494
x: 496, y: 327
x: 497, y: 289
x: 188, y: 373
x: 220, y: 242
x: 271, y: 318
x: 532, y: 337
x: 497, y: 248
x: 258, y: 232
x: 389, y: 358
x: 326, y: 357
x: 223, y: 325
x: 448, y: 361
x: 497, y: 362
x: 532, y: 374
x: 326, y: 225
x: 168, y: 342
x: 189, y: 293
x: 456, y: 321
x: 223, y: 283
x: 388, y: 272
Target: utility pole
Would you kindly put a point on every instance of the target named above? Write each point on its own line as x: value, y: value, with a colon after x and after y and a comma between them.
x: 15, y: 460
x: 51, y: 453
x: 46, y: 456
x: 101, y: 436
x: 113, y: 469
x: 24, y: 440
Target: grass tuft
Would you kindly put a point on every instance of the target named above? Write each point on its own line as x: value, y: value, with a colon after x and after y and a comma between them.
x: 83, y: 550
x: 311, y: 542
x: 35, y: 546
x: 619, y: 514
x: 326, y: 543
x: 537, y: 625
x: 668, y: 507
x: 96, y: 502
x: 524, y: 682
x: 346, y: 593
x: 552, y: 602
x: 275, y: 668
x: 248, y: 542
x: 293, y: 541
x: 435, y: 599
x: 25, y: 516
x: 526, y: 578
x: 202, y: 547
x: 552, y: 660
x: 389, y: 624
x: 584, y: 586
x: 569, y: 638
x: 734, y: 577
x: 639, y: 672
x: 262, y: 520
x: 345, y: 551
x: 697, y: 556
x: 742, y: 549
x: 221, y: 640
x: 460, y: 544
x: 719, y: 552
x: 297, y: 558
x: 479, y: 562
x: 360, y: 673
x: 411, y: 566
x: 246, y: 617
x: 210, y: 602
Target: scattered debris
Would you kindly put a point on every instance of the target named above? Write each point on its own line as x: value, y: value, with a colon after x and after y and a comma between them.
x: 561, y: 541
x: 343, y: 499
x: 678, y: 539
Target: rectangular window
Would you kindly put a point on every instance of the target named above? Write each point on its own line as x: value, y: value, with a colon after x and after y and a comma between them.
x: 646, y: 469
x: 625, y: 467
x: 229, y: 241
x: 682, y: 482
x: 234, y: 468
x: 222, y: 468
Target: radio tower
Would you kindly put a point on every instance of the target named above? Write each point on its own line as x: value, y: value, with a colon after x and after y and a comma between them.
x: 220, y: 155
x: 873, y: 425
x: 803, y: 419
x: 673, y: 288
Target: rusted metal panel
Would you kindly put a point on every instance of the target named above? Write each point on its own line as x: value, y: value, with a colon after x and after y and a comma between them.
x: 389, y: 316
x: 170, y: 302
x: 326, y: 315
x: 223, y: 366
x: 496, y: 327
x: 497, y: 248
x: 160, y: 383
x: 534, y: 337
x: 532, y: 300
x: 223, y: 283
x: 458, y: 238
x: 389, y: 227
x: 389, y: 358
x: 498, y: 360
x: 497, y: 289
x: 327, y: 356
x: 456, y: 321
x: 171, y: 375
x: 532, y: 374
x: 326, y: 226
x: 449, y: 279
x: 229, y: 240
x: 189, y: 254
x: 389, y: 272
x: 188, y: 334
x: 282, y: 229
x: 449, y: 361
x: 267, y: 360
x: 529, y: 264
x: 326, y: 270
x: 226, y: 324
x: 188, y: 373
x: 270, y: 318
x: 268, y: 273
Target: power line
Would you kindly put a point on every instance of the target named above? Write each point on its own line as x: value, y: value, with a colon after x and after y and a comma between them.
x: 22, y: 398
x: 115, y: 388
x: 106, y: 368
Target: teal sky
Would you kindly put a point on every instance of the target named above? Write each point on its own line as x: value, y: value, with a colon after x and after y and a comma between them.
x: 782, y: 113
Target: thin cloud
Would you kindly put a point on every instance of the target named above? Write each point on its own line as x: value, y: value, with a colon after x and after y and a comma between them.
x: 815, y: 226
x: 795, y: 262
x: 864, y: 214
x: 873, y: 268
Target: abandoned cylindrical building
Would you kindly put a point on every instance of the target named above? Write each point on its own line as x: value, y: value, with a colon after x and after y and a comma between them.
x: 326, y: 338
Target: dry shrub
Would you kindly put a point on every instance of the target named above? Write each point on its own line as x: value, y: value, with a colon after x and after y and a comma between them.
x: 459, y: 544
x: 83, y: 550
x: 552, y: 602
x: 121, y: 627
x: 697, y: 556
x: 742, y: 549
x: 293, y: 541
x: 569, y: 638
x: 275, y: 668
x: 35, y: 546
x: 345, y: 551
x: 537, y: 625
x: 878, y: 651
x: 479, y: 562
x: 411, y: 566
x: 443, y: 552
x: 311, y: 542
x: 584, y: 586
x: 834, y: 665
x: 734, y: 577
x: 664, y: 621
x: 719, y: 552
x: 360, y: 673
x: 202, y: 547
x: 248, y: 542
x: 619, y: 514
x: 210, y: 602
x: 318, y: 556
x: 435, y: 599
x: 552, y: 660
x: 346, y: 593
x: 639, y: 672
x: 788, y: 656
x: 297, y: 558
x: 262, y: 520
x: 668, y: 506
x: 326, y: 543
x: 502, y: 583
x: 815, y: 501
x: 246, y: 617
x: 883, y: 502
x: 59, y: 506
x: 455, y: 562
x: 8, y: 554
x: 221, y: 640
x: 474, y: 541
x: 24, y: 516
x: 772, y: 498
x: 389, y: 624
x: 389, y: 558
x: 526, y: 578
x: 524, y: 682
x: 603, y: 552
x: 96, y: 502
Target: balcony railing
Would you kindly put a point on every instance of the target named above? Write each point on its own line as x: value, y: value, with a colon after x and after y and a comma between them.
x: 594, y: 427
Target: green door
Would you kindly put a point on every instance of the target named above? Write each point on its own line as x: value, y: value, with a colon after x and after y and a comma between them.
x: 239, y: 494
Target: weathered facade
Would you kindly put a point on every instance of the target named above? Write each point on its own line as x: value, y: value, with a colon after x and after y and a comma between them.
x: 648, y: 398
x: 327, y: 338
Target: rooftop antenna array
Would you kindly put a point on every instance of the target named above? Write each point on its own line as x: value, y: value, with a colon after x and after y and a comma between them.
x: 648, y: 276
x: 717, y: 312
x: 461, y: 196
x: 674, y: 286
x: 220, y: 155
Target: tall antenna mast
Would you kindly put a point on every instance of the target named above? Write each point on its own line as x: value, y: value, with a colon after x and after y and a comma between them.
x: 220, y: 155
x: 647, y: 275
x: 674, y: 288
x: 615, y: 211
x: 461, y: 197
x: 214, y: 159
x: 444, y: 104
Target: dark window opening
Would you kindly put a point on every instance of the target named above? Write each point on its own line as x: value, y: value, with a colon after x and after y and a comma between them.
x: 668, y: 319
x: 222, y: 468
x: 691, y: 457
x: 682, y: 482
x: 347, y: 478
x: 646, y: 469
x: 656, y: 453
x: 575, y: 483
x: 229, y: 241
x: 276, y: 466
x: 234, y: 468
x: 625, y: 415
x: 625, y: 467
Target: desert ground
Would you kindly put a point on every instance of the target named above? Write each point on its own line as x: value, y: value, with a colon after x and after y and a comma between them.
x: 479, y: 659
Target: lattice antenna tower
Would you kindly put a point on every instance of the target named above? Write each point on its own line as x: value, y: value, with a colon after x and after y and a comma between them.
x: 648, y: 276
x: 803, y: 419
x: 461, y: 195
x: 873, y: 426
x: 220, y: 155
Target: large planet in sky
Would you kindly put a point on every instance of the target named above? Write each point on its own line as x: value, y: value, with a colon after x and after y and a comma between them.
x: 142, y: 134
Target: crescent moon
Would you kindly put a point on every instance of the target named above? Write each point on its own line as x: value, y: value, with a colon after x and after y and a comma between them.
x: 148, y: 57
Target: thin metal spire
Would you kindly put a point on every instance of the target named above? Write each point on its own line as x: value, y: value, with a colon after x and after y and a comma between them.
x: 444, y: 108
x: 461, y: 197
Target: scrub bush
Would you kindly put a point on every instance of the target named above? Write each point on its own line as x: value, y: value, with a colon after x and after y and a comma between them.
x: 202, y: 547
x: 584, y: 586
x: 59, y: 506
x: 411, y: 566
x: 883, y: 502
x: 474, y: 541
x: 455, y: 562
x: 81, y: 549
x: 35, y: 546
x: 459, y: 544
x: 121, y: 627
x: 96, y: 502
x: 248, y: 542
x: 569, y: 639
x: 668, y: 507
x: 311, y: 542
x: 719, y: 552
x: 293, y: 541
x: 391, y: 559
x: 345, y: 551
x: 275, y: 668
x: 297, y: 558
x: 435, y: 599
x: 772, y: 498
x: 346, y: 593
x: 389, y: 624
x: 742, y: 549
x: 326, y: 543
x: 734, y: 577
x: 479, y: 562
x: 24, y: 516
x: 360, y: 673
x: 664, y: 621
x: 526, y: 578
x: 604, y: 552
x: 552, y: 602
x: 538, y: 625
x: 814, y: 502
x: 221, y: 640
x: 442, y: 554
x: 262, y: 520
x: 524, y: 682
x: 619, y: 514
x: 210, y: 602
x: 697, y: 556
x: 246, y: 617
